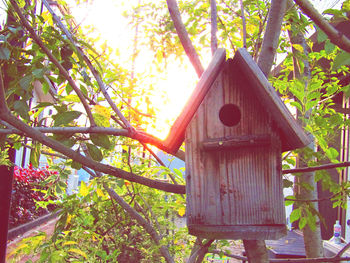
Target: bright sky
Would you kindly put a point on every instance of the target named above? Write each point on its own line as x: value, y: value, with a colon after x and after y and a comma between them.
x: 177, y: 86
x: 174, y: 88
x: 106, y: 16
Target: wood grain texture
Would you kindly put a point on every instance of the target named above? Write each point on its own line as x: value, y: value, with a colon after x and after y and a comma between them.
x: 231, y: 142
x: 237, y: 187
x: 177, y: 132
x: 292, y: 134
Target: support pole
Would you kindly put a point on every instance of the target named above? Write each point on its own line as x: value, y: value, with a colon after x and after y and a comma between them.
x: 6, y: 178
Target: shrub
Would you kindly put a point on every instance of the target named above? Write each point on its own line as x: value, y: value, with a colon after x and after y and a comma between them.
x: 27, y: 190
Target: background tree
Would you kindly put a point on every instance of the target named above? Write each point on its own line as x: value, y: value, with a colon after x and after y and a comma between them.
x: 94, y: 118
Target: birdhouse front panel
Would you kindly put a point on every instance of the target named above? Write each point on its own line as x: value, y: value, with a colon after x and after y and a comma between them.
x: 233, y: 163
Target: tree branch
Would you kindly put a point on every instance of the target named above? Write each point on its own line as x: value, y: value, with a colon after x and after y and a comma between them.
x: 142, y: 137
x: 62, y: 70
x: 149, y: 229
x: 55, y: 145
x: 316, y: 168
x: 336, y: 37
x: 214, y: 26
x: 132, y: 213
x: 199, y: 250
x: 184, y: 38
x: 91, y: 67
x: 271, y: 36
x: 146, y: 138
x: 303, y: 260
x: 243, y: 25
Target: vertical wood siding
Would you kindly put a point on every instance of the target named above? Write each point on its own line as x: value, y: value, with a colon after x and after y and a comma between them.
x: 236, y: 187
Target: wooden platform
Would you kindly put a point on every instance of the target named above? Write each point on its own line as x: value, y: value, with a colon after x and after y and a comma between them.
x: 290, y: 246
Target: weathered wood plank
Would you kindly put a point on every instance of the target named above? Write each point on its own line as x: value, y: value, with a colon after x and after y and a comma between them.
x: 258, y: 232
x: 294, y: 135
x: 177, y: 131
x: 231, y: 142
x: 236, y: 192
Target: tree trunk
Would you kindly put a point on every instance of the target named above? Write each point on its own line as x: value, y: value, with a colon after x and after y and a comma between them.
x: 256, y: 251
x: 271, y: 37
x: 312, y: 239
x: 6, y: 174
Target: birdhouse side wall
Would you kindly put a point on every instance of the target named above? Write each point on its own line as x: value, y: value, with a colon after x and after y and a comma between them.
x: 236, y: 186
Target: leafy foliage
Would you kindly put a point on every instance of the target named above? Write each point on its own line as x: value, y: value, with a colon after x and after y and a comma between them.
x: 27, y: 193
x: 92, y: 227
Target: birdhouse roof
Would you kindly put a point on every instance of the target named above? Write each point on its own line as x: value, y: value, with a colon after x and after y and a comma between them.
x: 291, y: 134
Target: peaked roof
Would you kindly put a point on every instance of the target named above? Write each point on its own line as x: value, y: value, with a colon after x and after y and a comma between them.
x: 292, y: 135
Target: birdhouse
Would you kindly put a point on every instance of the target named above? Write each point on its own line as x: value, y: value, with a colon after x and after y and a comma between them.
x: 235, y: 127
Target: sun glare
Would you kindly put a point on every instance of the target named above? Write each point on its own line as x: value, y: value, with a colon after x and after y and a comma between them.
x: 171, y: 92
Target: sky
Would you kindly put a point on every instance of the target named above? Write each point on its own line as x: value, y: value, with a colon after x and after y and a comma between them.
x: 174, y: 88
x: 107, y: 18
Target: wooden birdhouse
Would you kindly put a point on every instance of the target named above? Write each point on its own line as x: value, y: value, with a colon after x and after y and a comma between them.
x: 235, y: 127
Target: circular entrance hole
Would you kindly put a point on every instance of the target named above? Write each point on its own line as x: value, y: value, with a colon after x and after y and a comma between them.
x: 229, y: 115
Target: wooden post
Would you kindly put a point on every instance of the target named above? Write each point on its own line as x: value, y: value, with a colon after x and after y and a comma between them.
x: 6, y: 175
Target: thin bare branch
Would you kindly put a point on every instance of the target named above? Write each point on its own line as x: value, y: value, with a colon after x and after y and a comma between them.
x: 57, y: 146
x: 316, y: 168
x: 52, y: 58
x: 73, y: 130
x: 214, y: 26
x: 335, y: 36
x: 90, y: 66
x: 303, y: 260
x: 146, y: 138
x: 343, y: 250
x: 310, y: 200
x: 199, y: 250
x: 219, y: 252
x: 244, y: 26
x: 184, y: 38
x: 149, y: 229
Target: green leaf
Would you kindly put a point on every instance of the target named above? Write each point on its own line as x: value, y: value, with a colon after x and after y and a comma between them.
x: 76, y: 165
x: 101, y: 120
x: 289, y: 202
x: 25, y: 82
x: 297, y: 105
x: 321, y: 36
x: 66, y: 117
x: 302, y: 222
x: 72, y: 98
x: 35, y: 154
x: 287, y: 183
x: 5, y: 53
x: 310, y: 104
x: 295, y: 215
x: 120, y: 182
x: 68, y: 142
x: 343, y: 58
x: 84, y: 190
x: 21, y: 108
x: 329, y: 46
x: 335, y: 12
x: 101, y: 140
x: 332, y: 153
x: 94, y: 152
x: 45, y: 87
x: 78, y: 251
x: 322, y: 142
x: 298, y: 47
x: 39, y: 73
